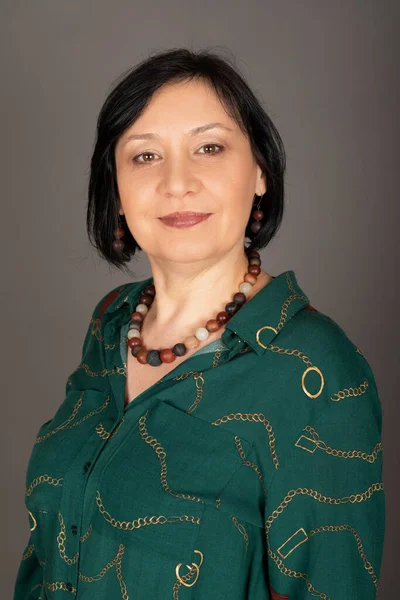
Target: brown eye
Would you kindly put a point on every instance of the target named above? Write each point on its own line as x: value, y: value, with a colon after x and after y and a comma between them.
x: 145, y: 154
x: 220, y: 148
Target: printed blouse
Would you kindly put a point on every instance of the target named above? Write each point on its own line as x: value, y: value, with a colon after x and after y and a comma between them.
x: 251, y: 471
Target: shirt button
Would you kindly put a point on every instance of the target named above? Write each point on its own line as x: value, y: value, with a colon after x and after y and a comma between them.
x: 68, y: 585
x: 87, y: 466
x: 74, y: 529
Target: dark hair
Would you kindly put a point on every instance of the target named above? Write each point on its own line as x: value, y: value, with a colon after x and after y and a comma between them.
x: 126, y: 102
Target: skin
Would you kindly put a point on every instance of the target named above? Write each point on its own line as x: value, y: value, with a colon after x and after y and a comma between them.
x: 198, y: 269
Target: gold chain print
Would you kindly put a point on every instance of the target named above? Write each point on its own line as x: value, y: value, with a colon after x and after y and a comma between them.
x: 117, y: 562
x: 61, y: 543
x: 346, y: 527
x: 242, y: 530
x: 216, y: 357
x: 183, y: 579
x: 316, y: 442
x: 305, y: 359
x: 43, y: 479
x: 28, y: 552
x: 54, y: 586
x: 96, y: 329
x: 247, y: 463
x: 161, y: 454
x: 292, y: 352
x: 105, y: 434
x: 254, y: 418
x: 361, y: 497
x: 85, y: 536
x: 103, y: 373
x: 347, y: 392
x: 297, y: 574
x: 199, y: 380
x: 283, y: 318
x: 67, y: 425
x: 143, y: 521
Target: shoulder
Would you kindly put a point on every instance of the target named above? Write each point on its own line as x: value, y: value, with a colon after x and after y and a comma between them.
x: 322, y: 341
x: 325, y: 373
x: 109, y: 298
x: 102, y: 312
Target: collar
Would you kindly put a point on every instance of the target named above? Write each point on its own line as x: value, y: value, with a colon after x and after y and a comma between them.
x: 257, y: 322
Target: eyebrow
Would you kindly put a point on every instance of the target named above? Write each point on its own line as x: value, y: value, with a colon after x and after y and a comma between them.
x: 191, y: 132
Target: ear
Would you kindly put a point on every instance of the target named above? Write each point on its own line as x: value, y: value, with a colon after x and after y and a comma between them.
x: 261, y: 183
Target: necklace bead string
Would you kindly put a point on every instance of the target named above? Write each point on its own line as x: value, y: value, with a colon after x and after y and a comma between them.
x: 155, y: 357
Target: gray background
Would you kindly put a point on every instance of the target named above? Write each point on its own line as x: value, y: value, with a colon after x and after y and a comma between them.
x: 327, y: 74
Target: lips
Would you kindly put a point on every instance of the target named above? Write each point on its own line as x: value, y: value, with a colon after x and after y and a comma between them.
x: 186, y: 219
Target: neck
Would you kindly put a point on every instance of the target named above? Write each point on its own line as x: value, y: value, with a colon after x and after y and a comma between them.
x: 187, y: 297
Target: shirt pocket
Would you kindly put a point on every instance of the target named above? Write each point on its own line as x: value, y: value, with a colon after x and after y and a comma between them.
x: 58, y: 442
x: 158, y: 481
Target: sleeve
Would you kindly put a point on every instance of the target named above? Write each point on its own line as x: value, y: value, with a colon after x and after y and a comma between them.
x: 28, y: 584
x: 94, y: 327
x: 93, y: 336
x: 29, y: 577
x: 325, y: 506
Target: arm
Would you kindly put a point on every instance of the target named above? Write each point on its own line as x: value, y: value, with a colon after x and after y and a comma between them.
x: 325, y: 507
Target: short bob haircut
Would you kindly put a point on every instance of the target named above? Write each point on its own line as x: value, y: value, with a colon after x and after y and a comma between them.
x: 131, y: 94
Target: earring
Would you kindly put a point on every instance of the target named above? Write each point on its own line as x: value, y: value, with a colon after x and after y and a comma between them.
x: 258, y: 216
x: 118, y: 243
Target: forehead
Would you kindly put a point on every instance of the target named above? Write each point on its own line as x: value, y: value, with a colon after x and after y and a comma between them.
x: 181, y: 106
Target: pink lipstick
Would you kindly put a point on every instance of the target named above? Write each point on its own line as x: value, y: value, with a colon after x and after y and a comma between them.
x: 184, y: 219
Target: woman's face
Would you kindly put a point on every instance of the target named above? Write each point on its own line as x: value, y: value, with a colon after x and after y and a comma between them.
x: 171, y: 170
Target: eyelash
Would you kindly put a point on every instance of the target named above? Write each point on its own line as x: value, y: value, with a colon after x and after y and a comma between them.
x: 221, y: 149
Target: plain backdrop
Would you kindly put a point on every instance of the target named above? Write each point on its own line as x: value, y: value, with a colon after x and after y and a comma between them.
x: 327, y: 73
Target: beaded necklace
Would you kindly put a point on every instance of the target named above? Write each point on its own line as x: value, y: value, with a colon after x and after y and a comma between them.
x: 154, y: 357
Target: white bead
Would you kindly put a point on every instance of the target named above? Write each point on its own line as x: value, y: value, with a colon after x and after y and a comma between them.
x: 245, y: 288
x: 202, y: 334
x: 133, y: 333
x: 142, y: 308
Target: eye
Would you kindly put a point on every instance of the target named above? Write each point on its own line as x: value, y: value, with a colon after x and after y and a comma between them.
x: 211, y: 145
x: 149, y: 154
x: 136, y: 158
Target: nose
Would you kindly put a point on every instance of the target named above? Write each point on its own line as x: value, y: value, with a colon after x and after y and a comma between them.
x: 178, y: 177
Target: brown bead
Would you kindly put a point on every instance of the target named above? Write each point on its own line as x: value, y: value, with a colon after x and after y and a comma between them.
x: 119, y: 232
x: 118, y: 245
x: 136, y: 349
x: 191, y: 342
x: 222, y: 317
x: 150, y: 289
x: 146, y: 299
x: 250, y: 278
x: 231, y: 308
x: 142, y: 356
x: 212, y: 325
x: 253, y: 253
x: 254, y: 270
x: 239, y: 298
x: 258, y: 215
x: 138, y: 316
x: 167, y: 356
x: 134, y: 341
x: 255, y: 261
x: 255, y: 226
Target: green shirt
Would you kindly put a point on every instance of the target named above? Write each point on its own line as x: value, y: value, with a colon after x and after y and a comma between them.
x: 253, y: 470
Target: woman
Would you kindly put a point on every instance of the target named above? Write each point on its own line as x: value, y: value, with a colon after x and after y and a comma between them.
x: 221, y: 437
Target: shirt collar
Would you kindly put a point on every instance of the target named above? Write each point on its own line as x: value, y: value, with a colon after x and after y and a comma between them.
x: 257, y: 322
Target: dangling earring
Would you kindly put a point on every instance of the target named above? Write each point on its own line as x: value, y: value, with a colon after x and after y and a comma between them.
x: 118, y: 243
x: 258, y: 216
